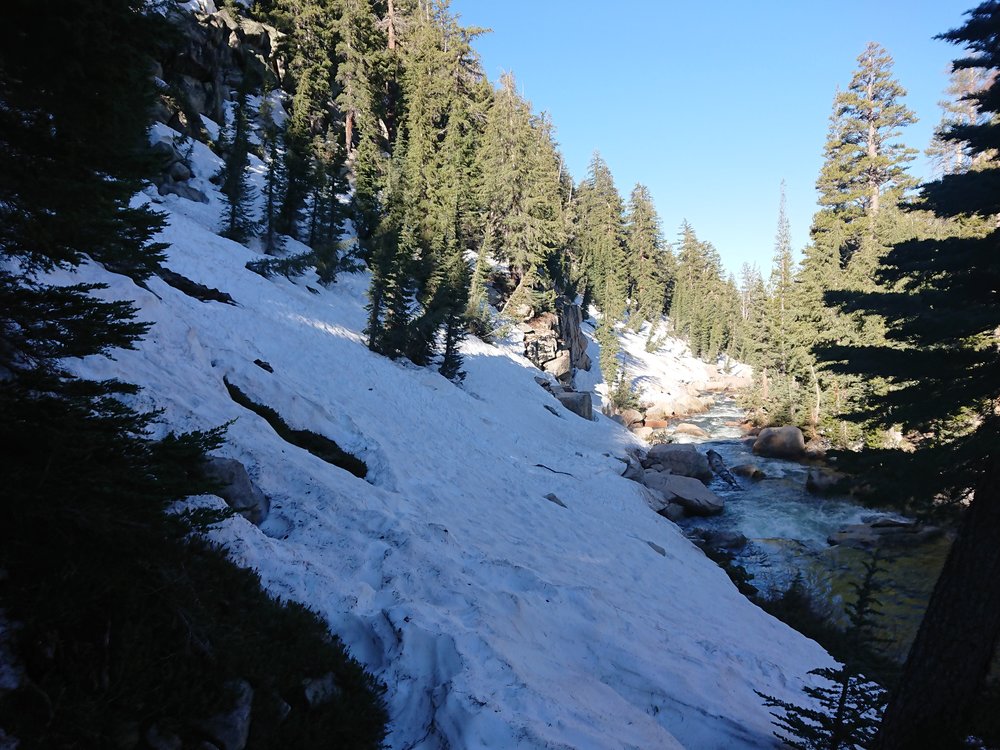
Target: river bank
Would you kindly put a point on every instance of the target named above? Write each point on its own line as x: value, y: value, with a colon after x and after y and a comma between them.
x: 778, y: 531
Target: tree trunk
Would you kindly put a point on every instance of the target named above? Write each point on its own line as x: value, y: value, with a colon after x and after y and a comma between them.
x: 392, y: 25
x: 349, y: 133
x: 955, y: 644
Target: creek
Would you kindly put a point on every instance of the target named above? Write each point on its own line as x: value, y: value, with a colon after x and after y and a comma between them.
x: 787, y: 527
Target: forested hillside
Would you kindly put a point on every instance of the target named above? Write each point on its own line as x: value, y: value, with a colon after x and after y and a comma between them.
x: 306, y: 257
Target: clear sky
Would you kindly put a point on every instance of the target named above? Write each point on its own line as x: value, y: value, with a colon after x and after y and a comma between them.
x: 712, y: 104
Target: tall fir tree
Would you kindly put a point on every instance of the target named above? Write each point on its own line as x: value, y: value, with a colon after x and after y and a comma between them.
x: 648, y: 256
x: 862, y: 180
x: 941, y: 301
x: 237, y: 193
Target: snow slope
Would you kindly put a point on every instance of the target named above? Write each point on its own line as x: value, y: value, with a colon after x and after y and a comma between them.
x: 498, y: 619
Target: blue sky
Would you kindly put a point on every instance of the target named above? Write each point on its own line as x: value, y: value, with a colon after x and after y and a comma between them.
x: 711, y: 105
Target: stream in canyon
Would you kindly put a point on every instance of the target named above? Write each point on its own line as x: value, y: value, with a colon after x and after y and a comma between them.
x: 787, y: 528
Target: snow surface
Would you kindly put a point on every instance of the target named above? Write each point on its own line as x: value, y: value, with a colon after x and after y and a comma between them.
x: 497, y: 618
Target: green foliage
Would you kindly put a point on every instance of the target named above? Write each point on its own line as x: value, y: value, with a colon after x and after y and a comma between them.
x: 238, y: 223
x: 518, y: 184
x: 319, y: 445
x: 274, y: 188
x: 600, y: 241
x: 705, y: 307
x: 847, y: 704
x: 650, y: 260
x: 289, y: 266
x: 622, y: 393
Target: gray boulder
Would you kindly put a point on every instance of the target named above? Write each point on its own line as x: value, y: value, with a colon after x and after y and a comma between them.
x: 884, y: 531
x: 681, y: 459
x: 633, y: 469
x: 696, y: 498
x: 237, y: 489
x: 230, y: 729
x: 821, y: 480
x: 578, y: 403
x: 183, y: 190
x: 686, y: 428
x: 780, y: 442
x: 655, y: 499
x: 750, y: 471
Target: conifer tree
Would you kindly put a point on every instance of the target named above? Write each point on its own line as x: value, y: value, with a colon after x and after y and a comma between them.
x: 862, y: 179
x: 958, y: 109
x: 648, y: 256
x: 519, y: 189
x: 940, y: 301
x: 601, y: 240
x: 849, y: 703
x: 274, y: 183
x: 237, y: 220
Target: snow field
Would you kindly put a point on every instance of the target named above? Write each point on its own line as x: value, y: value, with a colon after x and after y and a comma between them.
x: 497, y: 619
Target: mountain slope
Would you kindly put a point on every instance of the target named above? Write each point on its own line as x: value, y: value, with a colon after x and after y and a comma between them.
x: 496, y: 617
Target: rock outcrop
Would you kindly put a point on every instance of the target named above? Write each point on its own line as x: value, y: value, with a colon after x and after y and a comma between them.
x: 217, y: 51
x: 554, y: 341
x: 780, y: 442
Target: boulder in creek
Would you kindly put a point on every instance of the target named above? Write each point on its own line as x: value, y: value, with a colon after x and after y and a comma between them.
x: 696, y: 498
x: 821, y: 480
x: 719, y: 539
x: 780, y: 442
x: 578, y: 403
x: 237, y: 489
x: 881, y: 531
x: 680, y: 405
x: 686, y: 428
x: 631, y: 417
x: 682, y: 459
x: 750, y: 471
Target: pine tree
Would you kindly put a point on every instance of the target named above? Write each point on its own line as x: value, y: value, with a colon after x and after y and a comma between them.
x: 850, y: 704
x: 953, y: 157
x: 943, y: 362
x: 648, y: 256
x: 601, y: 240
x: 237, y: 220
x: 519, y: 189
x: 862, y: 180
x: 274, y: 184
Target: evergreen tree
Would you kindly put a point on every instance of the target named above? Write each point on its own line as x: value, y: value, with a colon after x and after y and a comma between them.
x: 649, y: 258
x: 862, y: 180
x: 849, y: 703
x: 237, y: 220
x: 953, y: 157
x: 519, y: 189
x: 940, y: 300
x: 601, y: 240
x: 704, y: 307
x: 274, y: 183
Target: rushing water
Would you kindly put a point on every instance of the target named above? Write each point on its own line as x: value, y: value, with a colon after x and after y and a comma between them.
x: 787, y: 529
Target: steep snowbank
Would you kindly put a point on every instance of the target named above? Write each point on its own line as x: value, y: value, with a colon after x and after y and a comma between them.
x: 496, y: 617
